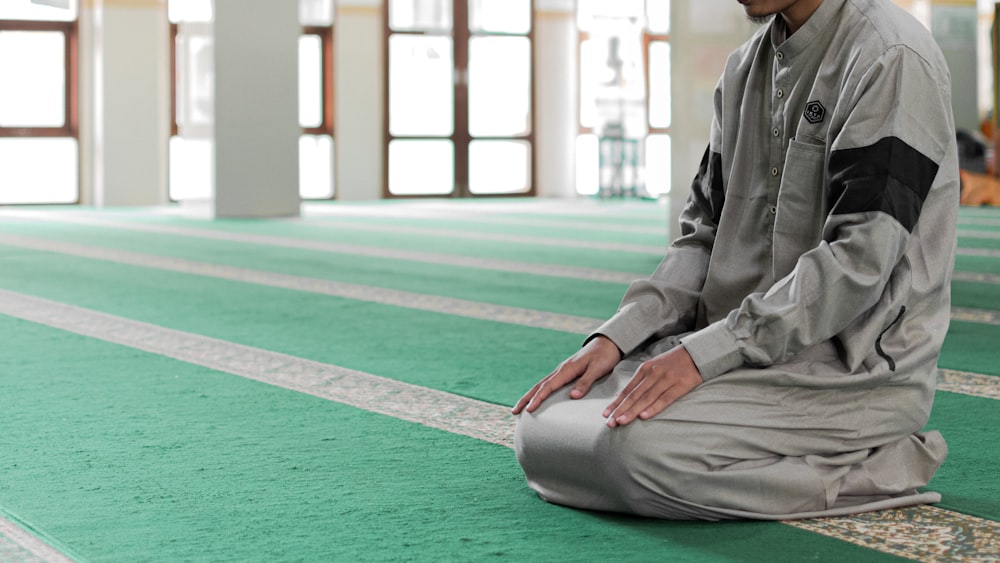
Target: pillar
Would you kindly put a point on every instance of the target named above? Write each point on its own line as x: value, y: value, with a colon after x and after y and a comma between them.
x: 256, y: 128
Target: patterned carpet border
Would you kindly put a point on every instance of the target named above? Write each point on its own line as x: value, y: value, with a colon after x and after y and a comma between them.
x: 920, y: 533
x: 978, y: 221
x: 979, y: 252
x: 965, y: 383
x: 592, y: 274
x: 311, y: 211
x: 978, y: 233
x: 975, y: 277
x: 923, y: 533
x: 421, y: 301
x: 424, y: 302
x: 981, y: 316
x: 496, y: 237
x: 19, y: 546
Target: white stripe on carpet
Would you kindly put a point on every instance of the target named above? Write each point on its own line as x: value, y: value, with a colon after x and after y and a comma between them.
x: 19, y: 545
x: 452, y: 413
x: 372, y: 294
x: 592, y: 274
x: 411, y: 300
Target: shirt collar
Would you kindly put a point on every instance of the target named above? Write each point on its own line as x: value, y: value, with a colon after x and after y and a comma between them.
x: 801, y: 39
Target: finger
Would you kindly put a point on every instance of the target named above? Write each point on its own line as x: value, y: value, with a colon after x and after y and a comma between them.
x: 646, y: 401
x: 626, y: 400
x: 652, y: 402
x: 586, y: 381
x: 555, y: 381
x: 640, y: 375
x: 523, y: 401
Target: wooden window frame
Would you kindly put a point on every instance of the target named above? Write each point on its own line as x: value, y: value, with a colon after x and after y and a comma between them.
x: 325, y: 33
x: 71, y: 124
x: 460, y: 136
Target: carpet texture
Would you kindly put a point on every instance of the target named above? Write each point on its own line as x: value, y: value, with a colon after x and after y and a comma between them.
x: 111, y: 453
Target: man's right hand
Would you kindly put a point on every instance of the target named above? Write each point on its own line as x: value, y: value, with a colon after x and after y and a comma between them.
x: 592, y: 362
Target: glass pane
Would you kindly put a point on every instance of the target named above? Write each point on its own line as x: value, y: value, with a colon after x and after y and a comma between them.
x: 620, y: 165
x: 42, y: 10
x: 195, y: 77
x: 189, y: 10
x: 316, y: 167
x: 659, y: 84
x: 499, y: 86
x: 612, y: 79
x: 586, y: 165
x: 421, y: 88
x: 658, y: 16
x: 191, y: 169
x: 499, y: 167
x: 590, y: 13
x: 658, y: 165
x: 36, y: 62
x: 421, y: 167
x: 316, y: 12
x: 420, y: 15
x: 39, y: 170
x: 590, y: 71
x: 499, y: 16
x: 310, y: 81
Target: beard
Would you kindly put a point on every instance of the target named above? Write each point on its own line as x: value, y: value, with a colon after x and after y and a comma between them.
x: 760, y: 20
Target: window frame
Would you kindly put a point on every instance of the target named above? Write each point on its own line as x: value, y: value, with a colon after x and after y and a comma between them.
x: 325, y: 128
x: 461, y: 36
x: 71, y: 123
x: 648, y: 38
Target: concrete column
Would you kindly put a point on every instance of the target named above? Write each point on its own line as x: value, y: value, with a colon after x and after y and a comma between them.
x: 702, y: 34
x: 124, y: 94
x: 555, y: 97
x: 256, y: 128
x: 359, y: 122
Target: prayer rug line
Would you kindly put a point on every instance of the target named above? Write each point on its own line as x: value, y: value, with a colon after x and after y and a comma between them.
x: 495, y: 237
x: 326, y: 211
x: 16, y: 544
x: 580, y: 273
x: 973, y: 233
x: 425, y: 302
x: 412, y: 300
x: 952, y: 536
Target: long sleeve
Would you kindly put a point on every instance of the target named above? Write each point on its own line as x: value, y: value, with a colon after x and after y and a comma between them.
x: 894, y: 132
x: 666, y: 302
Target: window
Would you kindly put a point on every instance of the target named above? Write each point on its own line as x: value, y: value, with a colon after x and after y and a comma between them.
x: 623, y: 146
x: 39, y: 147
x: 459, y: 98
x: 191, y: 150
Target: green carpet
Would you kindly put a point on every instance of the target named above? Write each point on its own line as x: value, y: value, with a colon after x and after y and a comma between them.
x: 544, y: 293
x: 118, y: 454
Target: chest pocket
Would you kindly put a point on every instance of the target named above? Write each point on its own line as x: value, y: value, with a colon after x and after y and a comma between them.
x: 798, y: 224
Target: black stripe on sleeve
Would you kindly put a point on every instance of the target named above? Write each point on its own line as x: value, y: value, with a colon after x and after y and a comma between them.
x: 889, y: 176
x: 706, y: 189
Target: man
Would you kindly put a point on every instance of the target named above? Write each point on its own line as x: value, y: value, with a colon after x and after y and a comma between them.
x: 781, y: 361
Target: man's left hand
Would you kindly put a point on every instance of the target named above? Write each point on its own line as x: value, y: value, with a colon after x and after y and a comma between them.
x: 655, y: 386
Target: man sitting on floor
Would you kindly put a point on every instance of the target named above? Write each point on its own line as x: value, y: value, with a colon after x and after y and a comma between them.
x: 781, y: 361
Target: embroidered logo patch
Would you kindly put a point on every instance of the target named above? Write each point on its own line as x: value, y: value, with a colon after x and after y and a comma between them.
x: 815, y: 112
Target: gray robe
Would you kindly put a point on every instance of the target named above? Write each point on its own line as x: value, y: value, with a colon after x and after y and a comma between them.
x: 810, y: 286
